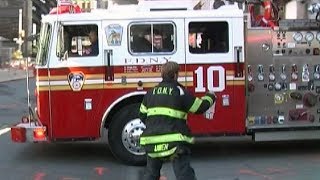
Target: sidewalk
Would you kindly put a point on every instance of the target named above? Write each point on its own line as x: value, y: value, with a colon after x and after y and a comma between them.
x: 10, y: 74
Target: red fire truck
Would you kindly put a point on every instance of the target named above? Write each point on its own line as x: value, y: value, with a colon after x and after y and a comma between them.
x: 264, y: 69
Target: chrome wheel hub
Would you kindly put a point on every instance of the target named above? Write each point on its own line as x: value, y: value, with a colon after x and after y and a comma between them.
x: 131, y: 134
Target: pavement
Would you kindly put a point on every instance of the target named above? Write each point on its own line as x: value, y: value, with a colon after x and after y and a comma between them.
x: 10, y: 74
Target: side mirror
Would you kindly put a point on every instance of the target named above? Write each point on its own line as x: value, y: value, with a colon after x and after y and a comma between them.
x: 61, y: 53
x: 33, y: 37
x: 65, y: 56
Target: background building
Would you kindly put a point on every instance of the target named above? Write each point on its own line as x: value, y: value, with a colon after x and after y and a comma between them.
x: 31, y: 15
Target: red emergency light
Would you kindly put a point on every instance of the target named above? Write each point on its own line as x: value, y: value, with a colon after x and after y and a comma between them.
x: 18, y: 134
x: 65, y: 6
x: 39, y: 134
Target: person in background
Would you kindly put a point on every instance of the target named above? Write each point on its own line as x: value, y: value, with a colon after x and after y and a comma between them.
x: 164, y: 111
x: 155, y: 40
x: 93, y: 37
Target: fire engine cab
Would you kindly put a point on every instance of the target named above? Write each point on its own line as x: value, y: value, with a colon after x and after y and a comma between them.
x: 93, y: 69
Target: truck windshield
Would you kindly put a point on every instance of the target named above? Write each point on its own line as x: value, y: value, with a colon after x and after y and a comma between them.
x: 45, y: 35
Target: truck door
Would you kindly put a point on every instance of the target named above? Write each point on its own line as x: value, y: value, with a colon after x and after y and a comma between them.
x: 135, y: 51
x: 113, y: 33
x: 214, y: 54
x: 75, y: 79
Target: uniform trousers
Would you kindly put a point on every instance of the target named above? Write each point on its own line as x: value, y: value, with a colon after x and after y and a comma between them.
x: 180, y: 163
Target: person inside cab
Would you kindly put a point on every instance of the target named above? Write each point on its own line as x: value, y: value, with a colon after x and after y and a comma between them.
x: 155, y: 40
x: 94, y: 48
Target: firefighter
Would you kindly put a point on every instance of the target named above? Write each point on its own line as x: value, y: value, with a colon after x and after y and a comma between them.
x: 93, y: 37
x: 164, y: 111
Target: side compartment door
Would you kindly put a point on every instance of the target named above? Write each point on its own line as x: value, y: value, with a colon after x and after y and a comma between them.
x: 75, y: 79
x: 214, y: 55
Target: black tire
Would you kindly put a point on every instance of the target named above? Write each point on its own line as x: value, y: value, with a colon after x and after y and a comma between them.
x: 117, y: 125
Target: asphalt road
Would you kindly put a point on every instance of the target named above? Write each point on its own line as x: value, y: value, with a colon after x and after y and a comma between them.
x: 218, y: 159
x: 13, y: 100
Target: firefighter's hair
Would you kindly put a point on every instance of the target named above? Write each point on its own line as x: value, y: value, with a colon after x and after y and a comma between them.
x: 95, y: 32
x: 169, y: 69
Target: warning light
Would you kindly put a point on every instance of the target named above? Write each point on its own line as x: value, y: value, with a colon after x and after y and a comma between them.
x: 39, y: 134
x: 18, y: 134
x: 65, y: 6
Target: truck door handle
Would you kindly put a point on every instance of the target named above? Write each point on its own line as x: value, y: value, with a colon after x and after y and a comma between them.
x: 239, y: 71
x: 109, y: 75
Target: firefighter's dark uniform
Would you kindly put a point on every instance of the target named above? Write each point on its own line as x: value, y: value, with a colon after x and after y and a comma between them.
x: 164, y: 111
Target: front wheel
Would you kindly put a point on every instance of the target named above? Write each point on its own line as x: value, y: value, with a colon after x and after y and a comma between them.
x: 124, y: 133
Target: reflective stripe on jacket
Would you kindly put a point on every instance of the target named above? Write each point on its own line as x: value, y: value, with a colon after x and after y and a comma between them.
x: 165, y: 138
x: 163, y: 145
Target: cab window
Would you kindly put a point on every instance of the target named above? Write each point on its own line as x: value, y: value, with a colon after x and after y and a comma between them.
x: 152, y: 38
x: 78, y: 41
x: 208, y: 37
x: 45, y: 34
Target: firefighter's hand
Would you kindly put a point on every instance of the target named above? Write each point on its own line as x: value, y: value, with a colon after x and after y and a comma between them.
x: 212, y: 94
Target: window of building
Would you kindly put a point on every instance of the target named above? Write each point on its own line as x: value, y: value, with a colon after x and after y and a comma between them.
x: 208, y: 37
x: 152, y: 38
x: 78, y: 41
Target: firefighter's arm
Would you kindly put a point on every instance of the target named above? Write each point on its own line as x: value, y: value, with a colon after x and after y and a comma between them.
x: 199, y: 105
x: 143, y: 110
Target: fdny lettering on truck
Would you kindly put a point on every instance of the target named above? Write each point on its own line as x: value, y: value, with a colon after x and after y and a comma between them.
x: 147, y: 60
